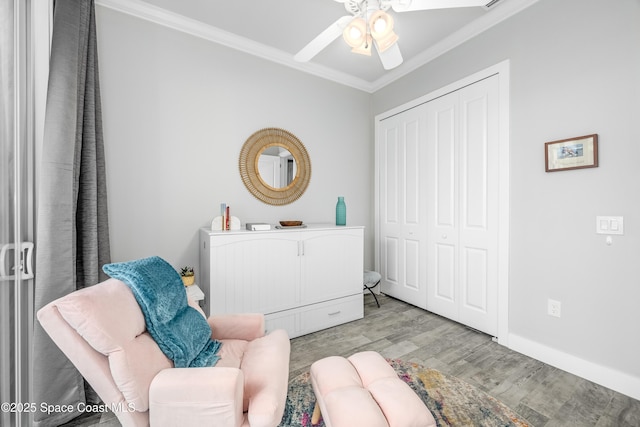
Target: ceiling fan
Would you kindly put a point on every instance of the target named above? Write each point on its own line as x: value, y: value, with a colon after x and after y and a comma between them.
x: 370, y: 24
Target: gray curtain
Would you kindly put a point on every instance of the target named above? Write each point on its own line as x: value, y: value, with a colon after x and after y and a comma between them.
x: 72, y: 226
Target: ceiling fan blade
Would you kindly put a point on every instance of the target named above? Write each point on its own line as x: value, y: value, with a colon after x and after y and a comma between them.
x: 411, y: 5
x: 323, y: 39
x: 391, y: 57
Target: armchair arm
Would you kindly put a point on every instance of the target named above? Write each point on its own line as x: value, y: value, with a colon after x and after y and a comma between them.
x: 237, y: 326
x: 197, y: 396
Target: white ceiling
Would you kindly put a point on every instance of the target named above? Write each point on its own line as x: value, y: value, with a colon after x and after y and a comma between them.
x: 278, y: 29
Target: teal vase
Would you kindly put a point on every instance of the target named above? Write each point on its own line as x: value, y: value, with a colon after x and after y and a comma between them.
x: 341, y: 212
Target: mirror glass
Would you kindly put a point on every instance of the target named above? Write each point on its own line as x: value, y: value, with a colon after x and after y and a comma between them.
x: 274, y: 166
x: 277, y: 166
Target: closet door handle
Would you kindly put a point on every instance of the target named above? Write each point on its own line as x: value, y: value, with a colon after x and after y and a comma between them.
x: 25, y: 266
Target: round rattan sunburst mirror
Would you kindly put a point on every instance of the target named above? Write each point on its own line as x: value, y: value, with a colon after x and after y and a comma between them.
x: 255, y: 148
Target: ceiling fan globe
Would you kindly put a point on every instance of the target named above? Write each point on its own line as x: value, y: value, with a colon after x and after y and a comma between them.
x: 381, y: 25
x: 355, y: 33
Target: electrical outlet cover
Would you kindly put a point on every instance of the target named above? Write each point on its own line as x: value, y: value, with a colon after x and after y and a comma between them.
x: 554, y: 308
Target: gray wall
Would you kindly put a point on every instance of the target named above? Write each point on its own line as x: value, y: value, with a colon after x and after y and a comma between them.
x: 177, y: 110
x: 575, y: 70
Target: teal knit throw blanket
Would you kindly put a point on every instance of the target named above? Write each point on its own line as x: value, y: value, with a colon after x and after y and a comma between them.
x: 182, y: 333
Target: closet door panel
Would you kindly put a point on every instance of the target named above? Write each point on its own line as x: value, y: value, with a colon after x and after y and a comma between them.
x: 390, y: 271
x: 474, y: 168
x: 401, y: 194
x: 390, y: 216
x: 443, y: 120
x: 479, y: 205
x: 411, y: 163
x: 442, y: 202
x: 443, y: 290
x: 412, y: 250
x: 462, y: 140
x: 474, y: 280
x: 412, y: 264
x: 390, y: 177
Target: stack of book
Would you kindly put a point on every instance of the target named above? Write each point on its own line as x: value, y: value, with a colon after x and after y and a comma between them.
x: 224, y: 213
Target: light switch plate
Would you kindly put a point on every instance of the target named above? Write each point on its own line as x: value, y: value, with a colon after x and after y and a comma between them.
x: 609, y: 225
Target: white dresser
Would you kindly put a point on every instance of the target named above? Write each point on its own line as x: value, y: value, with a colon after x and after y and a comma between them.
x: 302, y: 279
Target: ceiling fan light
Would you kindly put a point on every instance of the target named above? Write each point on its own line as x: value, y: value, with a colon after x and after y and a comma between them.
x: 355, y: 33
x: 364, y: 48
x: 381, y: 24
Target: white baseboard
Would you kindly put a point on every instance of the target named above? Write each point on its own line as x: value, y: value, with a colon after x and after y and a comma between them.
x: 607, y: 377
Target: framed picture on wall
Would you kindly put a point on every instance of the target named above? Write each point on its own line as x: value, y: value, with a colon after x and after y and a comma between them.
x: 572, y: 153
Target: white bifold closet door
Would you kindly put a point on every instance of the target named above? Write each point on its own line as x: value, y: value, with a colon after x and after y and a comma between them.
x: 402, y: 206
x: 462, y: 199
x: 438, y: 212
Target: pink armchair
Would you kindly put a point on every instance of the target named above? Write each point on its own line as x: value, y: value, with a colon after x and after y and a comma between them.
x: 101, y: 330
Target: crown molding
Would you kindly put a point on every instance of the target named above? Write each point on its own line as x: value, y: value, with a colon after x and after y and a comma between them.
x: 502, y: 12
x: 157, y: 15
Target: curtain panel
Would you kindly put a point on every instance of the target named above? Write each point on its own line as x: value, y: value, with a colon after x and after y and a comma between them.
x: 72, y: 223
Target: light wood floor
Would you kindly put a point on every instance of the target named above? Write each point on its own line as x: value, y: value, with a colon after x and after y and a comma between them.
x: 544, y: 395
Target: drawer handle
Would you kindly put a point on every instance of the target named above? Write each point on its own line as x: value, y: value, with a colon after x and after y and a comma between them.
x: 335, y: 312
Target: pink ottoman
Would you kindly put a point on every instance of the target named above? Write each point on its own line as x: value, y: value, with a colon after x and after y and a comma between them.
x: 364, y: 390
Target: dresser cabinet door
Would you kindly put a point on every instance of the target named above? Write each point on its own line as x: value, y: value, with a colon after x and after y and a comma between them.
x: 331, y: 264
x: 257, y: 273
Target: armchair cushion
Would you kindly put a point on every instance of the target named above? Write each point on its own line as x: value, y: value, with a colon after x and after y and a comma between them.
x: 231, y: 353
x: 88, y: 309
x: 180, y: 331
x: 133, y: 368
x: 197, y: 396
x: 266, y: 371
x: 237, y: 326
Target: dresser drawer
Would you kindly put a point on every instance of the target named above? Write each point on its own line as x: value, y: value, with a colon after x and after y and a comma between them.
x: 288, y: 320
x: 331, y: 313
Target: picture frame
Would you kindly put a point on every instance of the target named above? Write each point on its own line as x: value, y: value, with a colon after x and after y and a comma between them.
x: 573, y: 153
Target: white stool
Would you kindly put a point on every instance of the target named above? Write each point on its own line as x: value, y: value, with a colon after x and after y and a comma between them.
x: 371, y: 280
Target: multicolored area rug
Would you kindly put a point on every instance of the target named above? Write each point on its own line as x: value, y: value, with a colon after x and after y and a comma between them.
x: 452, y: 401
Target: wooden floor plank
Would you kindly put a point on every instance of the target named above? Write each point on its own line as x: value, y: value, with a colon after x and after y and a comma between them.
x: 544, y: 395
